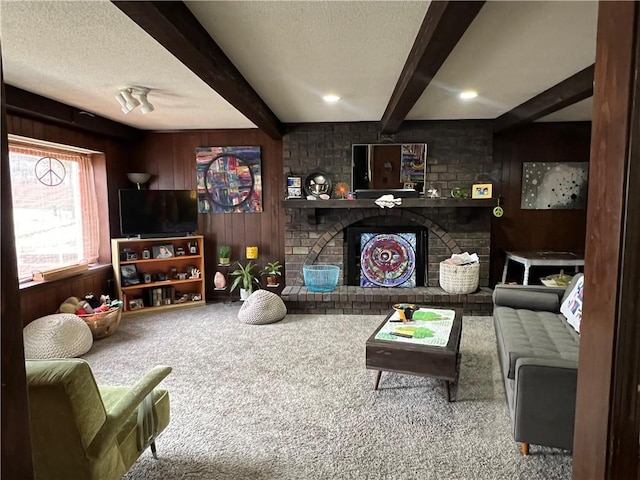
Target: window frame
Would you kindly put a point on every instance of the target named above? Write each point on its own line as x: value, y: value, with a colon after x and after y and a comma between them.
x: 16, y: 142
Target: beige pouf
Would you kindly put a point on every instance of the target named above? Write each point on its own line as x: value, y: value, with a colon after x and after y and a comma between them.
x: 62, y: 335
x: 262, y: 307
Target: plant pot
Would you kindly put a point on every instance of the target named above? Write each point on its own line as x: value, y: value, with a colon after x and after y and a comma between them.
x: 225, y: 261
x: 272, y: 280
x: 244, y: 294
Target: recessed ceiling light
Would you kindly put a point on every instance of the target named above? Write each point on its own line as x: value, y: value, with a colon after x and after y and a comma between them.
x: 468, y: 95
x: 331, y: 98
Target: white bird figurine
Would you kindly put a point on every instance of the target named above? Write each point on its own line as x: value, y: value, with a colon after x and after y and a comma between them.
x: 388, y: 201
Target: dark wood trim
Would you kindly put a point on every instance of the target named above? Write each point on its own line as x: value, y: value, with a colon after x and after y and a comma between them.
x: 36, y: 106
x: 572, y: 90
x: 624, y: 429
x: 606, y: 427
x: 16, y: 459
x: 173, y: 25
x: 444, y: 24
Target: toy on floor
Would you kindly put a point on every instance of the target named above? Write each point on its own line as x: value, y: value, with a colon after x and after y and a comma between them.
x: 88, y: 304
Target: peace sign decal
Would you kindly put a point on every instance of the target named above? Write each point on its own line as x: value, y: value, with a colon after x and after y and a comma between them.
x: 50, y: 171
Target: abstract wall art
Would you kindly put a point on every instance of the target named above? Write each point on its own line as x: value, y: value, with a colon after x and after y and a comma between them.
x: 554, y: 185
x: 229, y: 179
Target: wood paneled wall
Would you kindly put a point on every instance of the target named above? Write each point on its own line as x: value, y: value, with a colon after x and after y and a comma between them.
x: 44, y: 299
x: 110, y: 170
x: 520, y: 229
x: 170, y: 158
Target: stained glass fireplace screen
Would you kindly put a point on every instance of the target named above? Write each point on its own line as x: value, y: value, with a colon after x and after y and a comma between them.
x: 388, y: 260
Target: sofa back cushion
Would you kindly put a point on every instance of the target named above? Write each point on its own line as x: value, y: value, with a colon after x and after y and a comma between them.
x: 571, y: 306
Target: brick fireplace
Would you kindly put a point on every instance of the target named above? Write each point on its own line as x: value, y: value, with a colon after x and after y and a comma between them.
x: 459, y: 154
x: 325, y: 242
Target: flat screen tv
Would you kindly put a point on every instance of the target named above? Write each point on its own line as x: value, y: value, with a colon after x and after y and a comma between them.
x: 158, y: 213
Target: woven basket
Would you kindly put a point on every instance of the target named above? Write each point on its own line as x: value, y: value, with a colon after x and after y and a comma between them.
x: 459, y: 279
x: 103, y: 324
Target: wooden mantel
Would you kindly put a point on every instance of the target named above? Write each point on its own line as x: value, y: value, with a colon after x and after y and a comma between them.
x: 315, y: 207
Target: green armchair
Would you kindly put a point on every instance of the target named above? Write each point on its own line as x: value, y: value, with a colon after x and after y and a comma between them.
x: 80, y: 430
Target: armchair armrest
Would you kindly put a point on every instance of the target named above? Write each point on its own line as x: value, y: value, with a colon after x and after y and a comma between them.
x: 528, y: 297
x: 125, y: 407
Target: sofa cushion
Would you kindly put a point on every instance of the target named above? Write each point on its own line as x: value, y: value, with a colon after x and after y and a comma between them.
x: 526, y: 298
x: 527, y: 333
x: 576, y: 278
x: 571, y: 306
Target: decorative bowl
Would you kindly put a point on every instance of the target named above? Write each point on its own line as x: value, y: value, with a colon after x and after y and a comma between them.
x: 321, y: 278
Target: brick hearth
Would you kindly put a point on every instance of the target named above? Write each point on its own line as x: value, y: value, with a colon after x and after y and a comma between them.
x: 373, y: 301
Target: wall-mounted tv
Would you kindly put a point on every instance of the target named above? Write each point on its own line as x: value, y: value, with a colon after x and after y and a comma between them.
x: 158, y: 213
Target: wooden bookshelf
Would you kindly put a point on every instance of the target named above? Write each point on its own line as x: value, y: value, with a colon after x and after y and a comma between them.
x: 152, y: 281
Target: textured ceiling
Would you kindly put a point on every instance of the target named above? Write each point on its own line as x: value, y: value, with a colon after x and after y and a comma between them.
x: 81, y: 53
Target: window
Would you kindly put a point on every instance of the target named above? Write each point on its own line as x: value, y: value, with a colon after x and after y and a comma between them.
x: 54, y: 207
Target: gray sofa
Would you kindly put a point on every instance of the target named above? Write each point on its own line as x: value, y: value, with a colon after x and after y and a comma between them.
x: 538, y: 354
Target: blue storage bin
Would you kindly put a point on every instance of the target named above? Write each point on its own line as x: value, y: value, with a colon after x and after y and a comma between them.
x: 321, y: 278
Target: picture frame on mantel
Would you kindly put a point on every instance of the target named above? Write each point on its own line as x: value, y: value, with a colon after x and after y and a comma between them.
x: 294, y: 187
x: 481, y: 190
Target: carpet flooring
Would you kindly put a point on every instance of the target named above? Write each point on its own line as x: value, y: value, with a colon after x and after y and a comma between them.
x: 293, y: 400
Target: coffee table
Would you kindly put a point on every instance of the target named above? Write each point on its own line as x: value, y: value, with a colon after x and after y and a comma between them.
x: 442, y: 362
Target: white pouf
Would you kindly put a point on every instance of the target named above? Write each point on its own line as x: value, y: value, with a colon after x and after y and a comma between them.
x: 61, y: 335
x: 262, y: 307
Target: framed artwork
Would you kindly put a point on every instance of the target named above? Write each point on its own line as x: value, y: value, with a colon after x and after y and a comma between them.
x: 554, y: 185
x: 294, y: 187
x: 129, y: 275
x: 388, y: 260
x: 135, y: 304
x: 229, y: 179
x: 163, y: 251
x: 481, y: 190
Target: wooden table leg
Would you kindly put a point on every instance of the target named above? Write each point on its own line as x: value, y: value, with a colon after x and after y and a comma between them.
x: 451, y: 388
x: 377, y: 380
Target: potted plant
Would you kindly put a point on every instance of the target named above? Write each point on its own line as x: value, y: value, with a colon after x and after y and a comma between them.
x: 245, y: 278
x: 224, y: 252
x: 272, y: 271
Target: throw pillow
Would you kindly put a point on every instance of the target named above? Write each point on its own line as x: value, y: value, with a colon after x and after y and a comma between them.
x: 571, y: 307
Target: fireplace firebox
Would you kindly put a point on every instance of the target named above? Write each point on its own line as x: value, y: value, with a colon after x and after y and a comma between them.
x: 386, y: 256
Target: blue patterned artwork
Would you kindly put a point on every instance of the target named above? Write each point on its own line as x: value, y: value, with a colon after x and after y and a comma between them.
x: 388, y: 260
x: 229, y: 179
x: 554, y: 185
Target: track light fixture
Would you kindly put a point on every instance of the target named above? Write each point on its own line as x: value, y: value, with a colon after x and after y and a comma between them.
x: 128, y: 102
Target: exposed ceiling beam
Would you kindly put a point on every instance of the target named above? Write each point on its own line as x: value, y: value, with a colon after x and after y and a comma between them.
x: 36, y: 106
x: 174, y: 26
x: 572, y: 90
x: 444, y: 24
